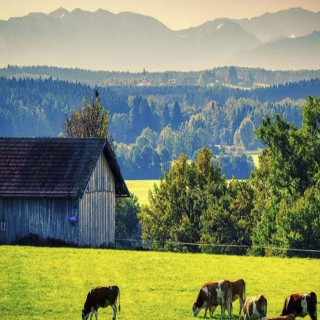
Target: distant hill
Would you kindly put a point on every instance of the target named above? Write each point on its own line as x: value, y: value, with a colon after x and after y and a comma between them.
x: 295, y: 22
x: 127, y: 41
x: 294, y: 53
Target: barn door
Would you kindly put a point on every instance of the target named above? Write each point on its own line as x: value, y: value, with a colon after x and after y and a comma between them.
x: 2, y: 223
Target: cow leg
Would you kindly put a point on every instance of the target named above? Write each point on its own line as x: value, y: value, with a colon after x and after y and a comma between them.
x: 114, y: 308
x: 205, y: 312
x: 212, y: 309
x: 229, y: 308
x: 223, y: 309
x: 241, y: 304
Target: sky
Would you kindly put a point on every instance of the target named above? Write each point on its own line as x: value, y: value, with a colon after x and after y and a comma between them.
x: 175, y: 14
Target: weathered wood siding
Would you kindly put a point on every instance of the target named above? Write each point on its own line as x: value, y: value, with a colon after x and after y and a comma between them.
x: 97, y: 208
x: 48, y: 218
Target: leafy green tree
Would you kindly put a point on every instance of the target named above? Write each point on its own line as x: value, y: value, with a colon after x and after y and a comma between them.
x: 287, y: 183
x: 165, y: 159
x: 119, y: 126
x: 244, y: 135
x: 291, y: 158
x: 177, y: 203
x: 228, y: 220
x: 298, y: 224
x: 92, y: 120
x: 237, y: 165
x: 127, y: 223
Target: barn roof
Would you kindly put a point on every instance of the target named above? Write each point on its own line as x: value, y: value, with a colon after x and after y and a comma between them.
x: 53, y: 167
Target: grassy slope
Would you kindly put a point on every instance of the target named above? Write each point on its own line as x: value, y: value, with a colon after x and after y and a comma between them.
x: 51, y: 283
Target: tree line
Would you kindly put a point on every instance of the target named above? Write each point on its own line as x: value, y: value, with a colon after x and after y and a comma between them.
x: 242, y: 76
x: 275, y: 212
x: 152, y: 126
x: 194, y: 208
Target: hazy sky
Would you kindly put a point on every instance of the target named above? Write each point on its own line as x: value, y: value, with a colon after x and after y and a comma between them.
x: 176, y: 14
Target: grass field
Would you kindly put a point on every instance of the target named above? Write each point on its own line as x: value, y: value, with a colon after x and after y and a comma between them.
x: 255, y: 158
x: 141, y: 189
x: 52, y: 283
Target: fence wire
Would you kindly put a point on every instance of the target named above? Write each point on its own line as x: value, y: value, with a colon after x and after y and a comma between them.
x: 148, y: 244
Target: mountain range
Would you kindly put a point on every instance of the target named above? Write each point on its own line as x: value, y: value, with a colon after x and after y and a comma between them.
x: 101, y: 40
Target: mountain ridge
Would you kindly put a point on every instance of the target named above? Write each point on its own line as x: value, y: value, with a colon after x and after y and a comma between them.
x: 130, y: 41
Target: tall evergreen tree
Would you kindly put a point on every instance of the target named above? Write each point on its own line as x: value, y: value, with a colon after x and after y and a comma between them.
x: 176, y: 116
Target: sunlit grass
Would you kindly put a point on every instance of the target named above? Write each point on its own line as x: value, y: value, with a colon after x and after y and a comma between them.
x: 255, y: 158
x: 52, y: 283
x: 141, y: 189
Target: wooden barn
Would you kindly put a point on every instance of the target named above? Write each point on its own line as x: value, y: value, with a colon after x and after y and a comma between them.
x: 59, y: 188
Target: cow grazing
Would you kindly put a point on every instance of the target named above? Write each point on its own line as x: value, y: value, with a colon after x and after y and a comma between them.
x: 286, y: 317
x: 255, y: 308
x: 238, y: 291
x: 214, y: 294
x: 301, y: 305
x: 101, y: 297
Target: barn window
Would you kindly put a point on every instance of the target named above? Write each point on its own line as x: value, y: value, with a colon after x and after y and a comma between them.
x: 3, y: 226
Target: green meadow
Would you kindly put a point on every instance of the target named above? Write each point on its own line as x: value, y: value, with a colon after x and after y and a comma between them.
x: 141, y: 189
x: 52, y: 283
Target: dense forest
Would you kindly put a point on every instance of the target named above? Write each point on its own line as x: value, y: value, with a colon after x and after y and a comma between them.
x: 152, y: 125
x: 275, y: 212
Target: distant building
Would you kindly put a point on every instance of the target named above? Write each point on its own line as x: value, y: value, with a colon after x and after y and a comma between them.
x: 144, y: 83
x: 59, y: 188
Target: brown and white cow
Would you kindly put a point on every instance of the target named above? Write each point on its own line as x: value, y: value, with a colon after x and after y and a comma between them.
x: 214, y: 294
x: 255, y: 308
x: 101, y: 297
x: 238, y: 291
x: 301, y: 305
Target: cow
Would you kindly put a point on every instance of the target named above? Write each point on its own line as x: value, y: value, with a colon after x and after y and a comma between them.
x: 286, y: 317
x: 101, y: 297
x: 214, y: 294
x: 238, y: 291
x: 301, y: 305
x: 255, y: 308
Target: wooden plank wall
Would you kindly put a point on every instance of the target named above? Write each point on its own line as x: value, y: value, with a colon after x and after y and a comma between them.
x: 97, y: 208
x: 49, y: 218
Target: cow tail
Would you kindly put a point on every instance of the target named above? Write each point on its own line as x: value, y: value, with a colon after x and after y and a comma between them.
x: 244, y: 290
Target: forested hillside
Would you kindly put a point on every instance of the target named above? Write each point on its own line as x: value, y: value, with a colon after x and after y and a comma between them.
x: 153, y: 125
x: 274, y: 212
